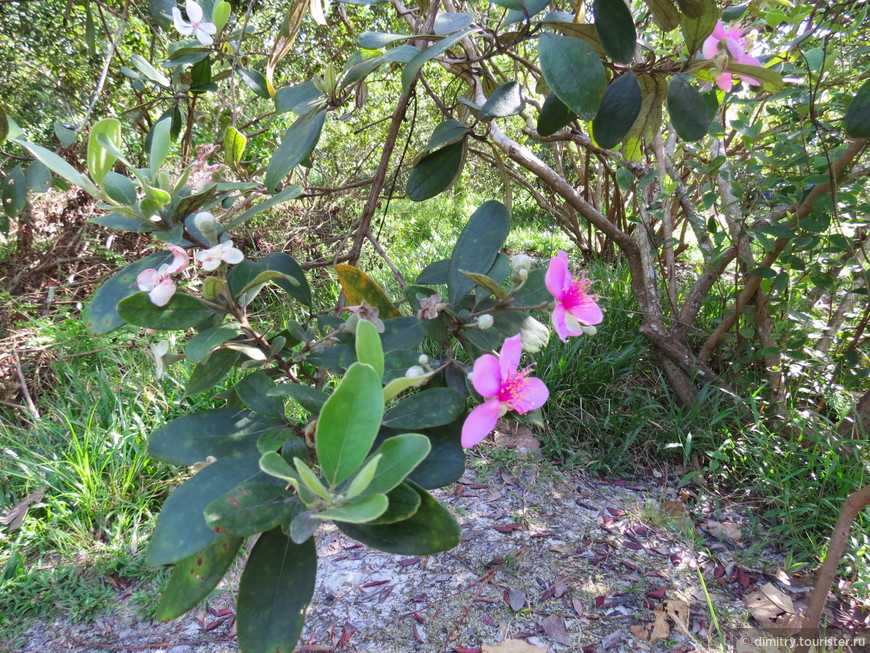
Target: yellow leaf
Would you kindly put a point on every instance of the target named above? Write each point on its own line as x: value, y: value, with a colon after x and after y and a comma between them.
x: 359, y: 287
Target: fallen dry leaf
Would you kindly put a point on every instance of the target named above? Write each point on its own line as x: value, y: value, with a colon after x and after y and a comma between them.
x: 554, y: 626
x: 641, y: 631
x: 769, y: 606
x: 513, y: 646
x: 726, y: 531
x: 674, y: 508
x: 661, y: 629
x: 517, y: 600
x: 15, y: 517
x: 678, y: 612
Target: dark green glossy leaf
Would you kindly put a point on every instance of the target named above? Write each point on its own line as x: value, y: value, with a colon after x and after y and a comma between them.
x: 554, y: 115
x: 574, y: 73
x: 299, y: 99
x: 13, y: 192
x: 298, y: 143
x: 699, y: 18
x: 432, y: 529
x: 404, y: 502
x: 200, y: 346
x: 250, y: 508
x: 401, y: 333
x: 119, y: 188
x: 254, y: 391
x: 221, y: 433
x: 256, y: 81
x: 534, y: 334
x: 447, y: 23
x: 687, y: 109
x: 534, y: 292
x: 311, y: 399
x: 477, y: 247
x: 619, y: 109
x: 446, y: 133
x: 182, y: 312
x: 615, y: 27
x: 399, y: 456
x: 414, y: 65
x: 857, y: 122
x: 436, y: 172
x: 195, y: 577
x: 506, y: 100
x: 434, y: 273
x: 426, y: 409
x: 38, y: 177
x: 379, y: 40
x: 122, y: 223
x: 275, y: 589
x: 664, y: 14
x: 289, y: 193
x: 286, y: 264
x: 181, y: 530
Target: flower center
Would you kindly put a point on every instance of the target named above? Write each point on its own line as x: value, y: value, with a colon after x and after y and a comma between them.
x: 578, y: 295
x: 514, y: 389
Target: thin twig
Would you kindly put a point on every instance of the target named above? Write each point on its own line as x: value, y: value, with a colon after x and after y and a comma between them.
x: 31, y: 407
x: 104, y: 73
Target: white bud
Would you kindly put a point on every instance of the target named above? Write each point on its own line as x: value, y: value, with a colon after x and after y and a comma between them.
x: 589, y: 330
x: 522, y: 274
x: 415, y: 371
x: 521, y: 262
x: 484, y: 321
x: 423, y: 360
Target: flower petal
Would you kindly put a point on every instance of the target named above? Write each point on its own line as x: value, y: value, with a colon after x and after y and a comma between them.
x: 724, y: 81
x: 588, y: 314
x: 162, y: 292
x: 147, y: 279
x: 486, y: 378
x: 509, y: 356
x: 558, y: 278
x: 180, y: 259
x: 181, y: 25
x: 529, y: 393
x: 480, y: 422
x: 232, y: 255
x: 710, y: 49
x: 194, y: 11
x: 202, y: 36
x: 558, y: 320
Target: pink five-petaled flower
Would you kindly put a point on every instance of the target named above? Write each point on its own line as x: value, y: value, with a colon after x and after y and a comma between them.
x: 201, y: 29
x: 506, y: 389
x: 731, y: 43
x: 575, y: 307
x: 157, y: 283
x: 211, y: 258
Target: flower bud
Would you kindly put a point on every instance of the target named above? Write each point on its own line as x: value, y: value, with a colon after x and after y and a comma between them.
x: 423, y: 360
x: 414, y: 371
x: 589, y: 330
x: 484, y: 321
x: 522, y: 274
x: 521, y: 262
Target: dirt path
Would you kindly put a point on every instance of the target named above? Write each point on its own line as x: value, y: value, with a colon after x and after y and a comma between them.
x: 560, y: 561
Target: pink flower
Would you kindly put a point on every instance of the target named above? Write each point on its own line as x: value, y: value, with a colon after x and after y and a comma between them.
x: 156, y: 283
x: 430, y: 307
x: 731, y: 43
x: 575, y: 307
x: 211, y: 258
x: 506, y: 388
x: 368, y: 313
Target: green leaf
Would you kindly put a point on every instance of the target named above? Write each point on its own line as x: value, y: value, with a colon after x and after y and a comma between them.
x: 358, y: 511
x: 554, y: 115
x: 273, y: 464
x: 363, y: 478
x: 698, y: 19
x: 66, y: 135
x: 763, y: 272
x: 401, y: 333
x: 399, y: 456
x: 276, y: 588
x: 857, y: 121
x: 434, y: 273
x: 489, y: 285
x: 299, y: 99
x: 534, y: 291
x: 296, y: 146
x: 310, y: 480
x: 287, y: 265
x: 534, y: 335
x: 38, y: 177
x: 118, y: 187
x: 379, y: 40
x: 414, y: 65
x: 447, y: 133
x: 289, y: 193
x: 222, y: 433
x: 432, y: 529
x: 250, y: 508
x: 368, y: 347
x: 687, y: 109
x: 477, y: 247
x: 182, y: 312
x: 770, y: 79
x: 436, y: 172
x: 100, y: 160
x: 101, y: 314
x: 208, y: 374
x: 195, y: 577
x: 159, y: 143
x: 200, y: 77
x: 4, y: 125
x: 256, y: 81
x: 574, y: 73
x: 220, y: 14
x: 118, y: 221
x: 664, y: 14
x: 181, y: 530
x: 200, y: 346
x: 619, y: 109
x: 309, y: 398
x: 60, y: 167
x: 445, y: 463
x: 506, y: 100
x: 234, y: 146
x: 404, y: 502
x: 359, y: 287
x: 253, y: 390
x: 615, y: 27
x: 277, y: 438
x: 450, y: 22
x: 349, y: 423
x: 149, y: 71
x: 433, y: 407
x: 515, y: 5
x: 13, y: 192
